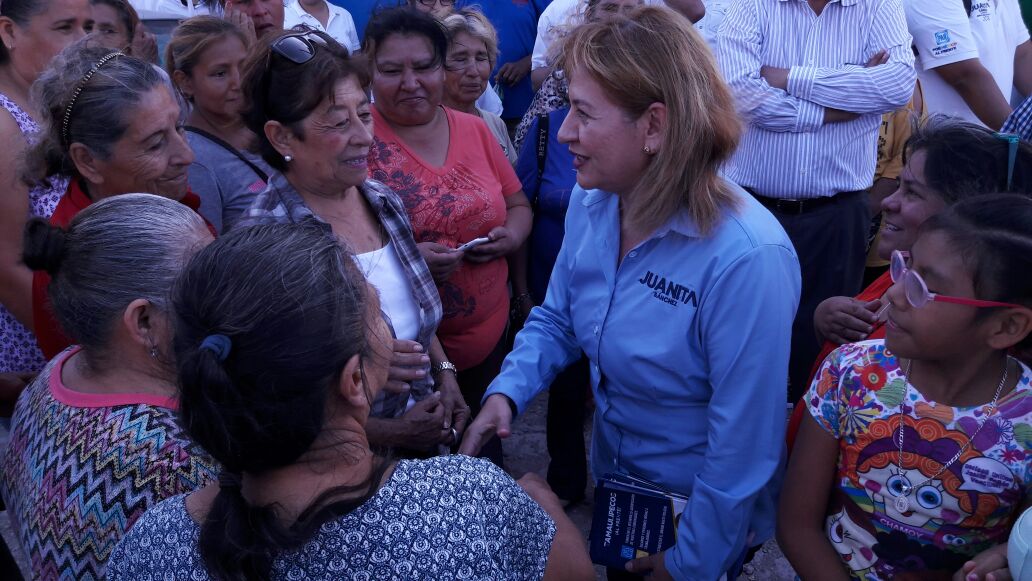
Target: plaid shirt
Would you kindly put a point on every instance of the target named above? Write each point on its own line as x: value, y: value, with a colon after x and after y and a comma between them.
x: 1020, y: 121
x: 281, y: 203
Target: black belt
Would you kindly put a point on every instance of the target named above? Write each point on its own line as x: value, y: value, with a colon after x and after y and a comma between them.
x: 800, y: 206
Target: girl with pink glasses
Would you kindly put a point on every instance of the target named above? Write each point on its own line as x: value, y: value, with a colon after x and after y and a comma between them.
x: 920, y: 453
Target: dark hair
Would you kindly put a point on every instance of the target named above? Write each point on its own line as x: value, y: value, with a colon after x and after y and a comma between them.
x: 102, y: 111
x: 19, y: 11
x: 404, y: 21
x: 294, y: 308
x: 90, y: 284
x: 277, y: 89
x: 993, y: 234
x: 964, y: 159
x: 126, y: 13
x: 192, y: 38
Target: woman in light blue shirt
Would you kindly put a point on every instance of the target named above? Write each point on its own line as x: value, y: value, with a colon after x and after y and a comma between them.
x: 677, y: 285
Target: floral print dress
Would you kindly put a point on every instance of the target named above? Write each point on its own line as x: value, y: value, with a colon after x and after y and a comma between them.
x: 18, y: 349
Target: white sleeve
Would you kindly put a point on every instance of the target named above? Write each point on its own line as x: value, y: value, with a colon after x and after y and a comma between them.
x: 354, y: 43
x: 941, y: 31
x: 1011, y: 11
x: 490, y: 101
x: 543, y: 39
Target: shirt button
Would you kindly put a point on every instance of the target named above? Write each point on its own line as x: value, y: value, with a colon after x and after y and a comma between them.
x: 595, y: 329
x: 633, y: 253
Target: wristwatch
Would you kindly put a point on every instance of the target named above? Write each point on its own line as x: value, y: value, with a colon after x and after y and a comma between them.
x: 440, y: 366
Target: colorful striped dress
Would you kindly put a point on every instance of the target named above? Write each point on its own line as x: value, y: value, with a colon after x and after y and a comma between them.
x: 81, y: 468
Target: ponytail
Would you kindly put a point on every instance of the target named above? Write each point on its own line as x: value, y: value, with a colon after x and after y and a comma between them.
x: 43, y: 247
x: 267, y: 317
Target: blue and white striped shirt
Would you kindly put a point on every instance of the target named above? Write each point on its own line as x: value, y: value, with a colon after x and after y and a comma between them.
x: 788, y: 151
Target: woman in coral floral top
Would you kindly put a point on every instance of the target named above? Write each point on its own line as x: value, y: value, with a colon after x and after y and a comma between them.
x: 457, y: 186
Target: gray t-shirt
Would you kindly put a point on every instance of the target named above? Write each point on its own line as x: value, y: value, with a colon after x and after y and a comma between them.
x: 226, y: 185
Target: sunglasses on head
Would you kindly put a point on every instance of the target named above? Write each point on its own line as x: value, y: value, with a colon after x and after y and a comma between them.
x: 298, y: 48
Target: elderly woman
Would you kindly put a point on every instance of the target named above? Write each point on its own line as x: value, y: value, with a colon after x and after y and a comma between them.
x: 94, y: 440
x: 309, y: 109
x: 112, y: 126
x: 204, y: 58
x: 472, y: 51
x: 488, y: 100
x: 31, y: 33
x: 280, y: 355
x: 457, y: 185
x: 656, y: 283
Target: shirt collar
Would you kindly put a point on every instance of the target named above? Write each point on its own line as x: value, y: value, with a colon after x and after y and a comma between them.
x: 680, y: 222
x: 295, y: 205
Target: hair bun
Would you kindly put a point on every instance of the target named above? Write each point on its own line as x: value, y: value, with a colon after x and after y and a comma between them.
x: 43, y: 246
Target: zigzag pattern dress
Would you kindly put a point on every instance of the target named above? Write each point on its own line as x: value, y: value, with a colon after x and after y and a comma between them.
x: 81, y: 468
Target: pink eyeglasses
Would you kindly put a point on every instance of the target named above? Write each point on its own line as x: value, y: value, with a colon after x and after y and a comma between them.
x: 917, y: 291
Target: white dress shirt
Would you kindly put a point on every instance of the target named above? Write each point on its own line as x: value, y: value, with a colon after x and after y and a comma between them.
x: 340, y: 25
x: 787, y: 150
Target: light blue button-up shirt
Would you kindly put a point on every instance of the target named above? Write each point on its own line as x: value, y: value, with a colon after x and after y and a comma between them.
x: 688, y: 341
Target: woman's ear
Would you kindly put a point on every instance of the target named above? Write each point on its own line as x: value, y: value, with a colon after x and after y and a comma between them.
x: 8, y: 33
x: 655, y: 121
x: 352, y: 387
x: 1011, y: 327
x: 87, y: 164
x: 184, y: 83
x: 139, y: 320
x: 281, y: 137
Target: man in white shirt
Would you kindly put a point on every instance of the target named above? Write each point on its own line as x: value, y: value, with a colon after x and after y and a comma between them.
x: 321, y: 15
x: 970, y: 54
x: 812, y: 79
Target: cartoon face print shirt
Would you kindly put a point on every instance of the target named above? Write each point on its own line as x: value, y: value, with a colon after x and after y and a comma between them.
x: 952, y: 511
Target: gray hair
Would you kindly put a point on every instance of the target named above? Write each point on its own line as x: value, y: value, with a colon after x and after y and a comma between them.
x: 122, y: 248
x: 103, y: 108
x: 473, y: 22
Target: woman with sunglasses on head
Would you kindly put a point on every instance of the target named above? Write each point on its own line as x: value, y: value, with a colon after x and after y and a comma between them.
x: 281, y: 349
x: 472, y: 51
x: 204, y: 58
x: 457, y: 185
x: 308, y: 105
x: 917, y: 458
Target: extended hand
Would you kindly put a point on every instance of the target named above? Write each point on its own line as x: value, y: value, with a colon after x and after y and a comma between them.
x: 494, y: 419
x: 424, y: 424
x: 512, y: 73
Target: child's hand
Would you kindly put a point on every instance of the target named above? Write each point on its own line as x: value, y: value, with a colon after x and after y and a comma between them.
x: 989, y: 565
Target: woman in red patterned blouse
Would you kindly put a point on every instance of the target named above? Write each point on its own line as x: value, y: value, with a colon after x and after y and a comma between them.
x: 457, y: 186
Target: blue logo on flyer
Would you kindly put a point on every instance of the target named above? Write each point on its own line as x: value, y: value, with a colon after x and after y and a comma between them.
x: 627, y: 552
x: 942, y: 37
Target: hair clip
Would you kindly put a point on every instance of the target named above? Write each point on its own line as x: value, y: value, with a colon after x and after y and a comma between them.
x: 220, y: 345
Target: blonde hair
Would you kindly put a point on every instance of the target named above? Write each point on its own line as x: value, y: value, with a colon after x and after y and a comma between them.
x: 652, y: 56
x: 474, y: 23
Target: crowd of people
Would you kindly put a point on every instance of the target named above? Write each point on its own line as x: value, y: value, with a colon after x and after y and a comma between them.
x: 274, y: 288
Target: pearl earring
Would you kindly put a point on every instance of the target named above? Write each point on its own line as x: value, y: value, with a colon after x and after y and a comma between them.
x: 647, y: 149
x: 288, y: 158
x: 154, y: 352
